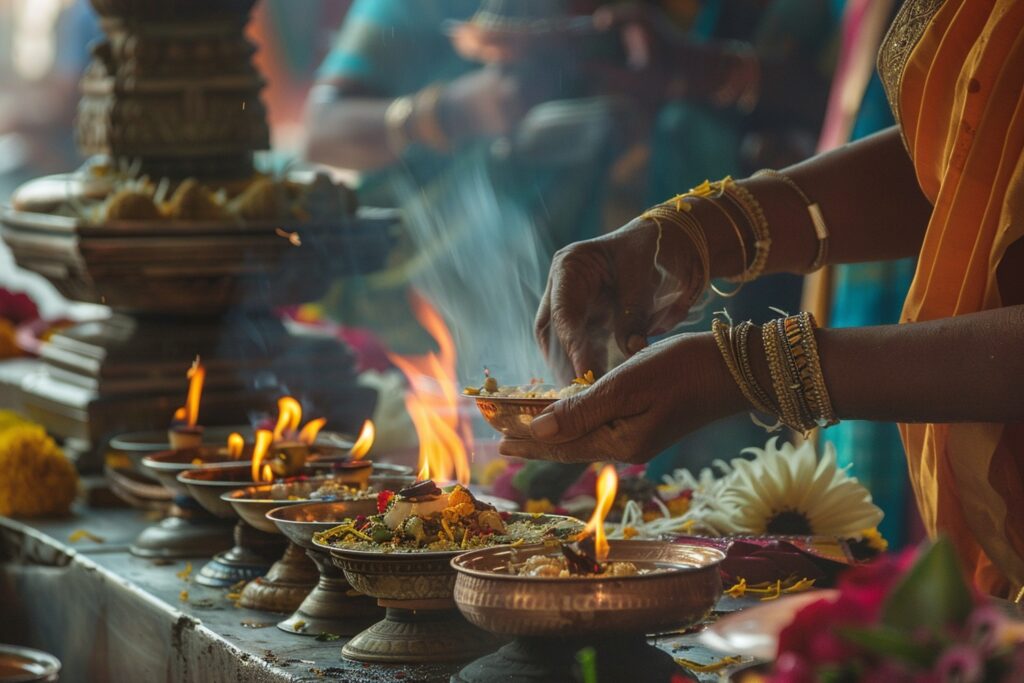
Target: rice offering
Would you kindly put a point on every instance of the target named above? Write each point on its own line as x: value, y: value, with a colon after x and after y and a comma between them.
x: 535, y: 389
x: 424, y: 517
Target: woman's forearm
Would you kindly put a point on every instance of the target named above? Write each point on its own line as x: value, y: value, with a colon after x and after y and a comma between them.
x: 348, y: 132
x: 963, y: 369
x: 867, y: 193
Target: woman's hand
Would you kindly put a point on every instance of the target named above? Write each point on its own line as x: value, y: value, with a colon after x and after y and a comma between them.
x: 631, y: 414
x: 632, y: 283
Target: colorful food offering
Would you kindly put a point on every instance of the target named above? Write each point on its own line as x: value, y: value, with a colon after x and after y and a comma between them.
x: 424, y: 517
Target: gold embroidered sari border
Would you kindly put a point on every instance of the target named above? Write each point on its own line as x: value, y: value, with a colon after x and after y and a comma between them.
x: 906, y: 30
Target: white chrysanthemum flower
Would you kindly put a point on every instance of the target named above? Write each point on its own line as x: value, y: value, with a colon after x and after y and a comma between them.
x: 787, y: 490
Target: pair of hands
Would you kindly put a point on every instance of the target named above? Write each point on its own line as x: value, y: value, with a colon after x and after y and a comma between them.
x: 621, y: 288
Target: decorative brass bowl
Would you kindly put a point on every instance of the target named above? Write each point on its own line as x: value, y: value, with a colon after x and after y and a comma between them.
x: 290, y: 580
x: 552, y: 618
x: 26, y: 665
x: 188, y: 530
x: 681, y: 593
x: 511, y: 416
x: 422, y: 623
x: 333, y: 606
x: 254, y: 551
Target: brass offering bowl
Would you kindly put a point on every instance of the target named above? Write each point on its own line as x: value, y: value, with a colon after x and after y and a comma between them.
x: 422, y: 622
x: 290, y: 580
x: 333, y: 606
x: 188, y: 530
x: 552, y: 618
x: 26, y: 665
x: 254, y: 551
x: 511, y: 416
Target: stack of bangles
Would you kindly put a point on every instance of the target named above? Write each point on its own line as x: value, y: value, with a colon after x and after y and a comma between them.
x: 798, y: 395
x: 677, y: 211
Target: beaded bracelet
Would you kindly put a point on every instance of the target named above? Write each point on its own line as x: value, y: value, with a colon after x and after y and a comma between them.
x: 754, y: 213
x: 797, y: 378
x: 813, y: 210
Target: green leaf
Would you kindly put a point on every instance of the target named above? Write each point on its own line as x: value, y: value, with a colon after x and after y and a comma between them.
x: 932, y: 594
x: 890, y: 643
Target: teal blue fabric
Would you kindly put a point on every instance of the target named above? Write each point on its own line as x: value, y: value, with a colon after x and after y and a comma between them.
x: 873, y: 294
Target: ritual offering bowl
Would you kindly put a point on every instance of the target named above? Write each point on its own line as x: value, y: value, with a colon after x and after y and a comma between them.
x: 332, y: 606
x: 188, y: 530
x: 515, y: 592
x: 26, y: 665
x: 511, y: 409
x: 254, y: 551
x: 290, y: 580
x: 402, y: 557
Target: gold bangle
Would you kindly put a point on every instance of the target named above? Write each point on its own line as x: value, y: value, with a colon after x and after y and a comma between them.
x: 754, y: 213
x: 826, y: 415
x: 739, y: 235
x: 722, y: 333
x: 396, y: 121
x: 813, y: 210
x: 780, y: 383
x: 426, y: 121
x: 694, y: 232
x: 742, y: 348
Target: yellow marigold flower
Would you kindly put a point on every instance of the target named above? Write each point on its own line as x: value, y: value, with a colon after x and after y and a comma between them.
x: 9, y: 418
x: 37, y: 478
x: 539, y: 507
x: 458, y: 496
x: 454, y: 513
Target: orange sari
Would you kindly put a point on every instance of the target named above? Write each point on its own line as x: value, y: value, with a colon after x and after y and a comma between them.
x: 954, y: 72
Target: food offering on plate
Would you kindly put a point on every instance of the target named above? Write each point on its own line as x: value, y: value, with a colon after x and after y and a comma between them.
x: 425, y: 517
x: 511, y: 409
x: 536, y: 389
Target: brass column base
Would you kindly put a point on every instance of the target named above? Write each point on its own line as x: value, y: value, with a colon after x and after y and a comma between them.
x: 251, y: 557
x: 333, y: 606
x: 408, y: 636
x: 285, y: 586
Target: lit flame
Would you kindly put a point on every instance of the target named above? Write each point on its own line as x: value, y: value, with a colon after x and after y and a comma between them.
x: 312, y: 428
x: 289, y: 415
x: 364, y: 443
x: 432, y: 401
x: 260, y: 471
x: 190, y: 412
x: 236, y: 444
x: 607, y: 486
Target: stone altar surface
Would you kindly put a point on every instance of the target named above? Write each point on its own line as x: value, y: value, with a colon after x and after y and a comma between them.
x: 112, y: 617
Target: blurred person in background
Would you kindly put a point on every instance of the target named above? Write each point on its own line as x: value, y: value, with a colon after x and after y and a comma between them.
x: 714, y: 87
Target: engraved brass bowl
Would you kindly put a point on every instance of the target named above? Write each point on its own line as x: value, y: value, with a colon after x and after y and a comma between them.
x: 167, y: 465
x: 680, y: 594
x: 511, y: 416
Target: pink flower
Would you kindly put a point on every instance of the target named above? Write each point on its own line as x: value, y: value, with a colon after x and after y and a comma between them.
x: 960, y: 664
x: 17, y: 307
x: 792, y: 668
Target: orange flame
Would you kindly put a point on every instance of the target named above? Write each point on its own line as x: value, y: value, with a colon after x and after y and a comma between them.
x: 312, y: 428
x: 196, y: 375
x: 261, y: 472
x: 432, y: 401
x: 180, y: 414
x: 236, y: 444
x: 289, y: 415
x: 607, y: 486
x: 364, y: 443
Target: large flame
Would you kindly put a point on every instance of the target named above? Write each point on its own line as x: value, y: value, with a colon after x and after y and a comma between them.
x: 432, y: 401
x: 607, y: 486
x: 236, y: 445
x: 260, y: 471
x: 190, y: 412
x: 364, y: 443
x: 289, y: 415
x: 311, y: 429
